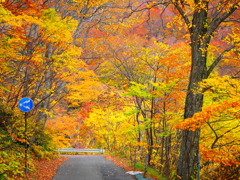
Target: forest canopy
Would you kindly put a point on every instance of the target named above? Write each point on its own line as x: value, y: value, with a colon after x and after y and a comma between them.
x: 156, y: 82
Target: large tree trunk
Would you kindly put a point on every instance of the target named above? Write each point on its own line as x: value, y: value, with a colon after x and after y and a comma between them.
x: 188, y: 160
x: 201, y: 30
x: 189, y: 153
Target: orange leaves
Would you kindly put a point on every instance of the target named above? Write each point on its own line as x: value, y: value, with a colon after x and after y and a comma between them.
x: 85, y: 90
x: 224, y: 155
x: 70, y: 130
x: 96, y: 33
x: 18, y: 139
x: 195, y: 122
x: 61, y: 130
x: 208, y: 112
x: 142, y: 144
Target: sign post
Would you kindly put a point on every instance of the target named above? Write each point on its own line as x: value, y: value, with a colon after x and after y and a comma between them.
x: 25, y: 105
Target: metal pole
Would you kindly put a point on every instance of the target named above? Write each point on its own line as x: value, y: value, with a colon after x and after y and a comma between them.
x: 26, y: 145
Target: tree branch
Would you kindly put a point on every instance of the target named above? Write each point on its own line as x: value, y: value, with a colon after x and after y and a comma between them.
x: 218, y: 20
x: 139, y: 9
x: 219, y: 58
x: 232, y: 20
x: 180, y: 10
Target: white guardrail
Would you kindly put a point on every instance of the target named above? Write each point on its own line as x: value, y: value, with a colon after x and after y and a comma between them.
x: 81, y: 150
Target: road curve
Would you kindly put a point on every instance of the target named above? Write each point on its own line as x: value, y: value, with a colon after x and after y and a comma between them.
x: 90, y: 168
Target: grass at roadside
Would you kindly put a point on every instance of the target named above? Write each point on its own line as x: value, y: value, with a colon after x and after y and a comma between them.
x: 124, y: 163
x: 150, y: 171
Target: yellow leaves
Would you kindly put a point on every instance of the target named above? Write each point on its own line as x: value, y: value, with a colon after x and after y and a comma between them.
x: 67, y: 61
x: 218, y: 120
x: 221, y: 88
x: 110, y: 126
x: 84, y: 91
x: 151, y: 4
x: 57, y: 29
x: 223, y: 97
x: 201, y: 6
x: 178, y: 24
x: 5, y: 15
x: 91, y: 3
x: 233, y: 39
x: 37, y: 59
x: 46, y: 111
x: 84, y: 86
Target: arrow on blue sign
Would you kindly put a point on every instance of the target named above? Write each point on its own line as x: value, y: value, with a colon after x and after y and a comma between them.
x: 25, y: 104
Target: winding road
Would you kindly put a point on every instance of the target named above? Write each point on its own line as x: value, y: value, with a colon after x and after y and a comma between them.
x: 90, y: 168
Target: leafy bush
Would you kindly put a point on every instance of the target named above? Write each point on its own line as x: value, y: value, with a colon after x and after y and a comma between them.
x: 12, y: 153
x: 42, y: 146
x: 11, y: 164
x: 42, y: 138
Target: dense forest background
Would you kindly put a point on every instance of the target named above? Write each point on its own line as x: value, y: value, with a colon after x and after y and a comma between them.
x: 156, y: 82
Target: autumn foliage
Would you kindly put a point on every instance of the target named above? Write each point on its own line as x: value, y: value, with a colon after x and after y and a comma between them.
x: 122, y: 76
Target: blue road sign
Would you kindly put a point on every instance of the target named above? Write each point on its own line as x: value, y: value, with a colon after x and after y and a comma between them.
x: 25, y: 104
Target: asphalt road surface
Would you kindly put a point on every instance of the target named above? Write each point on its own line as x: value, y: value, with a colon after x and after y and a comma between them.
x: 90, y: 168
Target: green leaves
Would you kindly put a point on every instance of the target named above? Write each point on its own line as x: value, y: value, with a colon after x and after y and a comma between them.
x: 165, y: 87
x: 139, y: 90
x: 163, y: 134
x: 151, y: 90
x: 49, y: 14
x: 10, y: 164
x: 131, y: 112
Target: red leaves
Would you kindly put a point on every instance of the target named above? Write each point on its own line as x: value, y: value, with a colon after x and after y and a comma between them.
x: 29, y: 7
x: 85, y: 111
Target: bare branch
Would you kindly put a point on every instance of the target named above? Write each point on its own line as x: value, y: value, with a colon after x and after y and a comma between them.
x: 232, y: 20
x: 219, y: 58
x: 139, y: 9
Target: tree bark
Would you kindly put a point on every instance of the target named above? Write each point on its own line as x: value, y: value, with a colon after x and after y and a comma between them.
x: 188, y: 160
x: 201, y: 30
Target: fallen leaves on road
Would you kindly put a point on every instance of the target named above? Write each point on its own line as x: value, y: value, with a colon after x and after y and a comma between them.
x: 46, y: 169
x: 120, y: 162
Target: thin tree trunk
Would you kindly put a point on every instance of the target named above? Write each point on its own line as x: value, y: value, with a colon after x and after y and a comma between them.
x: 42, y: 117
